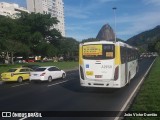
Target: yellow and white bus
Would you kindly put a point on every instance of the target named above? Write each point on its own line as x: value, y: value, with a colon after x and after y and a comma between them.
x: 107, y: 64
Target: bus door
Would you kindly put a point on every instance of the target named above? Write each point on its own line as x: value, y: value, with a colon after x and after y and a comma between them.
x: 126, y: 64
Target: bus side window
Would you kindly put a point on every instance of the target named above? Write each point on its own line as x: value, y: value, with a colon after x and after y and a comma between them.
x: 129, y: 55
x: 123, y: 55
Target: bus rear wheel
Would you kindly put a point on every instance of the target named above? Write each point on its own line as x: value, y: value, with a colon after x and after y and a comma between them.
x: 137, y: 69
x: 129, y: 79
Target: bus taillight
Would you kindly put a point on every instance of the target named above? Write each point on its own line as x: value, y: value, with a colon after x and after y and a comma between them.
x: 116, y: 73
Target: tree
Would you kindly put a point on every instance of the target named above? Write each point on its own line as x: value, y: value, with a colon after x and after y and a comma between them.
x: 69, y: 47
x: 30, y: 34
x: 6, y: 34
x: 13, y: 47
x: 157, y: 47
x: 141, y: 49
x: 51, y: 51
x: 90, y: 40
x: 41, y: 31
x: 42, y: 23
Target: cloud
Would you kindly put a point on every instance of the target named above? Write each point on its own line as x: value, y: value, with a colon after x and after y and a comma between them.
x: 128, y: 25
x: 138, y: 23
x: 153, y: 2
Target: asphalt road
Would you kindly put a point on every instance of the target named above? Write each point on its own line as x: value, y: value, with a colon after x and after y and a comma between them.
x: 67, y: 95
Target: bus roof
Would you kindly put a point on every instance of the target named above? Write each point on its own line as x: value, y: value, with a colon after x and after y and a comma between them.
x: 98, y: 42
x: 110, y: 42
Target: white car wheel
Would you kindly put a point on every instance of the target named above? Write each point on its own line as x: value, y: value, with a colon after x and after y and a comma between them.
x: 63, y: 76
x: 49, y: 79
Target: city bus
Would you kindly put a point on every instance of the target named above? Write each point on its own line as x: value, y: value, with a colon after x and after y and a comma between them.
x: 107, y: 64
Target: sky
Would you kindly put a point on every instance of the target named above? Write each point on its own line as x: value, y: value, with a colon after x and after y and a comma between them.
x: 84, y: 18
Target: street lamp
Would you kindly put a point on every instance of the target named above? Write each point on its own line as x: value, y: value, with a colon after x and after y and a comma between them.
x: 114, y: 9
x: 34, y: 6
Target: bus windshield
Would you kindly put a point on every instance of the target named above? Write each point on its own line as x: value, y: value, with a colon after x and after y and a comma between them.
x: 99, y: 51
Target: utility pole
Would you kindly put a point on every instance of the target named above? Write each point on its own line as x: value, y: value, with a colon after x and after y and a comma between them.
x: 34, y: 6
x: 114, y: 9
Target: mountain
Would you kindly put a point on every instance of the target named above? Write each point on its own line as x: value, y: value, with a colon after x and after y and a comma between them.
x: 106, y: 33
x: 146, y: 38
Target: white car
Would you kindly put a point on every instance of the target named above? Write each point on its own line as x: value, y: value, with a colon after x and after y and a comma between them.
x: 47, y: 74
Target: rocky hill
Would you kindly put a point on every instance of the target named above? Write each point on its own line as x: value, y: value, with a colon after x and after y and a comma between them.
x: 106, y: 33
x: 146, y: 41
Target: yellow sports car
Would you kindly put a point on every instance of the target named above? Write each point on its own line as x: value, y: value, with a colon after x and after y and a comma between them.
x: 16, y: 74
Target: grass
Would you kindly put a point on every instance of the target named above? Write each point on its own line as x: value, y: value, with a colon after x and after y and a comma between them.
x: 148, y: 98
x: 61, y: 65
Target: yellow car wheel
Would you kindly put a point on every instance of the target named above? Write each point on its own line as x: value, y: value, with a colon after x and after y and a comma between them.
x: 20, y: 79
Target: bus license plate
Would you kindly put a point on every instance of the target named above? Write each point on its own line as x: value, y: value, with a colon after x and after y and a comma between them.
x: 89, y: 73
x: 98, y: 76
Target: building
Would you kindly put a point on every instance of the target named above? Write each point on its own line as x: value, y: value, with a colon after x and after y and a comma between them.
x: 53, y: 7
x: 11, y: 9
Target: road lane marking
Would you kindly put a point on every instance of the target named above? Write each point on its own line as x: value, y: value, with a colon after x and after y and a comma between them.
x: 23, y: 118
x: 133, y: 93
x: 20, y: 85
x: 58, y: 83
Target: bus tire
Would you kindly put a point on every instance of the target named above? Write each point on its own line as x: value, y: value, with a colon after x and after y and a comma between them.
x: 20, y: 79
x: 137, y: 69
x: 129, y: 79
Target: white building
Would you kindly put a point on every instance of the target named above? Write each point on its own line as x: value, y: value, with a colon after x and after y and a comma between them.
x: 53, y: 7
x: 11, y: 9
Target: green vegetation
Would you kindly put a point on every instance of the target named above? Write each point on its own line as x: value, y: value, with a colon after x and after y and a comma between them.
x: 147, y: 41
x: 90, y: 40
x: 33, y: 35
x: 157, y: 47
x: 61, y: 65
x: 149, y: 95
